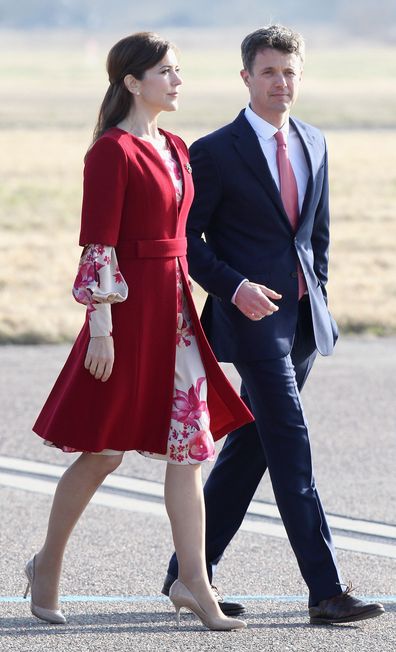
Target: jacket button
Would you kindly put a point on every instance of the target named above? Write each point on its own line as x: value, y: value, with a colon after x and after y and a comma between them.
x: 294, y: 274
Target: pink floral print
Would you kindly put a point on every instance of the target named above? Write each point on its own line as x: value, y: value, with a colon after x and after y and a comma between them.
x: 201, y: 446
x: 190, y: 440
x: 184, y: 328
x: 184, y: 333
x: 90, y: 278
x: 174, y: 170
x: 86, y: 276
x: 98, y: 284
x: 188, y: 407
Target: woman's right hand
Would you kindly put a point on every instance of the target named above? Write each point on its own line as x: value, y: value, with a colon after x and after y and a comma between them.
x: 100, y: 357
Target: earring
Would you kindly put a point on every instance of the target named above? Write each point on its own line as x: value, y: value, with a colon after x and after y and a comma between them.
x: 137, y: 93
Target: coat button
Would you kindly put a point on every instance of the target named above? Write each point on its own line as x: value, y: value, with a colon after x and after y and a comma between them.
x: 294, y: 274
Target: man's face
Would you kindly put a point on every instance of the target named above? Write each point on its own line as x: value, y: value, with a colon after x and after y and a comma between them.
x: 273, y: 83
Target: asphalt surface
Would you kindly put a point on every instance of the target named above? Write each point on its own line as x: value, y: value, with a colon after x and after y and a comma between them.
x: 116, y: 558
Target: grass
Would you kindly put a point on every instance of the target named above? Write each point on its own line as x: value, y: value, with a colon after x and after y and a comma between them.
x: 49, y: 97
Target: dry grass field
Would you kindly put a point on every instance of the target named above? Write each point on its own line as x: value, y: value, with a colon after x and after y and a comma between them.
x: 49, y: 95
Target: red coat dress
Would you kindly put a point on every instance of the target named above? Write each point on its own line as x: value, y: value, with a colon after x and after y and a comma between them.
x: 129, y: 202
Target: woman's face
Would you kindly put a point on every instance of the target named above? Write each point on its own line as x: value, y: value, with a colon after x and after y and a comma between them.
x: 159, y: 88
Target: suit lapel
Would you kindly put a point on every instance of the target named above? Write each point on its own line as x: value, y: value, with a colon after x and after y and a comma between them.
x: 308, y: 145
x: 248, y: 147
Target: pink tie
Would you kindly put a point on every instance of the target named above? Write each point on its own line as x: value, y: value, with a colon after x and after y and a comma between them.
x: 289, y: 195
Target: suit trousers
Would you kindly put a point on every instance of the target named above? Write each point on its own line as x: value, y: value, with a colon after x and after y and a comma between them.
x: 277, y: 440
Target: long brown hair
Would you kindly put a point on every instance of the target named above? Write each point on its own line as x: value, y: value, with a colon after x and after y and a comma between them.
x: 133, y: 55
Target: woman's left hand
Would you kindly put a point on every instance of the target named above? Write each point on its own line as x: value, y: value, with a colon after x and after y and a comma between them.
x: 100, y: 357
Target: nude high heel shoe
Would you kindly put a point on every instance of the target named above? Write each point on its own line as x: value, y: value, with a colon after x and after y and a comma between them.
x: 181, y: 596
x: 54, y: 616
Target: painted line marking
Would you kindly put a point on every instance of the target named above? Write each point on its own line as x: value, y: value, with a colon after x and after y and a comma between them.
x: 342, y: 542
x: 156, y: 598
x: 336, y: 522
x: 100, y: 497
x: 150, y: 488
x: 20, y: 474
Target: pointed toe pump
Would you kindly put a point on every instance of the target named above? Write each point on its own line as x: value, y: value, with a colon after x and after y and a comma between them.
x: 53, y: 616
x: 181, y: 596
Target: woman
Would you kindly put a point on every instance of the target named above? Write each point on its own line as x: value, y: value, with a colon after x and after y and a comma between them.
x: 140, y: 375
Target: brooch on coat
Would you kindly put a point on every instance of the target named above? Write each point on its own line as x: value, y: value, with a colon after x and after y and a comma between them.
x: 188, y: 168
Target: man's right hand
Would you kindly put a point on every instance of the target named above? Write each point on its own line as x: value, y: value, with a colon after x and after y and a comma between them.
x: 254, y: 301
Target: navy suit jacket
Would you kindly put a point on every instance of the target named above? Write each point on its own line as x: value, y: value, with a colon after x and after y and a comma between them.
x: 238, y: 208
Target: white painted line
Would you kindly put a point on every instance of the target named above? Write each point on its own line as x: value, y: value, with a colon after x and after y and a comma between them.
x: 149, y: 488
x: 131, y: 504
x: 55, y: 471
x: 344, y: 543
x: 100, y: 498
x: 336, y: 522
x: 29, y: 466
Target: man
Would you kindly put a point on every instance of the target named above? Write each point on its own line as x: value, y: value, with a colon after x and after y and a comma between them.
x: 261, y: 200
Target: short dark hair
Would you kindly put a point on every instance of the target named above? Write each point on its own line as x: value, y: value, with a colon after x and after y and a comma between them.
x: 277, y: 37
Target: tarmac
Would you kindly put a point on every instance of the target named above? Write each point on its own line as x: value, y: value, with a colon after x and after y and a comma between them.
x: 117, y: 556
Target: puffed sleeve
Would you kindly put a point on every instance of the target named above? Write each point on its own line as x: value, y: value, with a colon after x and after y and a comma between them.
x: 105, y: 180
x: 98, y: 284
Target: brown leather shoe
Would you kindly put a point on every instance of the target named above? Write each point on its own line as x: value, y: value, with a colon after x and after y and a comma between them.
x: 343, y: 608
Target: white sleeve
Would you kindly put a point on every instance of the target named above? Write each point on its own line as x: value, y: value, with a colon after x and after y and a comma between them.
x: 245, y: 280
x: 99, y: 280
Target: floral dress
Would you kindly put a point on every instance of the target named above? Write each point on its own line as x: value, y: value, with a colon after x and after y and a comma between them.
x: 100, y: 279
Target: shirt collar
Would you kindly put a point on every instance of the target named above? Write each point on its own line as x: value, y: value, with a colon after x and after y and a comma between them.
x: 263, y: 129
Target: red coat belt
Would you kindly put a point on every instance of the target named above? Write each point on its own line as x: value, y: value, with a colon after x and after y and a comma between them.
x: 168, y: 248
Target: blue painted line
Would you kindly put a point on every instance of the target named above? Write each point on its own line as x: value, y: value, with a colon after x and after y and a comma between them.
x: 157, y: 598
x: 301, y: 598
x: 95, y: 598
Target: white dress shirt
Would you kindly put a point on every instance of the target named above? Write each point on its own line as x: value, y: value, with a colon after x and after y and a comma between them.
x: 265, y: 133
